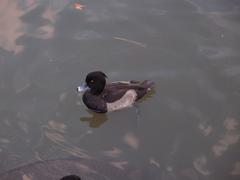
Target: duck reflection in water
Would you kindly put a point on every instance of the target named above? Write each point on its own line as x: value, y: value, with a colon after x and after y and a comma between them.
x: 95, y: 120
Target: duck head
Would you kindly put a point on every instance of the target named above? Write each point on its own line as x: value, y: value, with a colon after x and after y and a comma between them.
x: 95, y: 81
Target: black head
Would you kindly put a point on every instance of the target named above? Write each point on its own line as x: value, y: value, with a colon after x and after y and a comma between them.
x: 71, y: 177
x: 96, y: 81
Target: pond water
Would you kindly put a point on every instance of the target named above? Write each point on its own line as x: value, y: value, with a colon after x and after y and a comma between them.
x: 187, y: 129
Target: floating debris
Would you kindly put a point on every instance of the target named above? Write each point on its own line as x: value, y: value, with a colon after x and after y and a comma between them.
x: 230, y: 124
x: 154, y: 162
x: 58, y: 126
x: 78, y: 6
x: 27, y: 177
x: 115, y: 152
x: 25, y: 87
x: 131, y: 41
x: 119, y: 164
x: 223, y: 144
x: 86, y: 169
x: 131, y: 140
x: 206, y: 130
x: 236, y: 169
x: 200, y: 165
x: 229, y: 138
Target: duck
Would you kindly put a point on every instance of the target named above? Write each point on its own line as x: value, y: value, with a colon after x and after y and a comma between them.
x: 101, y: 97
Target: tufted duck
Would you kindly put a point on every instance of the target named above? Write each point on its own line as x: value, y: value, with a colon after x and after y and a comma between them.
x: 101, y: 97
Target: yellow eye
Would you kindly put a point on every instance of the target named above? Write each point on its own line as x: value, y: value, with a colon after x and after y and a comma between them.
x: 92, y: 81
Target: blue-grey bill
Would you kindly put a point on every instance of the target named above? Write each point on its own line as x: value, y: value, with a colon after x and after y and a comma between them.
x: 82, y: 88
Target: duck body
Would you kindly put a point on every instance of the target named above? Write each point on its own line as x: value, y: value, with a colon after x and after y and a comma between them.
x: 101, y: 97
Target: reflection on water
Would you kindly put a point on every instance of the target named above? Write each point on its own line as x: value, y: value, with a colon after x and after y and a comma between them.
x: 229, y: 138
x: 95, y: 120
x: 189, y: 129
x: 114, y: 152
x: 11, y: 26
x: 54, y: 132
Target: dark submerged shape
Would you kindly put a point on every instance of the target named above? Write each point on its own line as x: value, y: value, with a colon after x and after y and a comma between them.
x: 102, y: 97
x: 71, y: 177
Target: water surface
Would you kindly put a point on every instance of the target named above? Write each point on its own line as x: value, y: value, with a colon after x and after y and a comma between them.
x: 188, y: 129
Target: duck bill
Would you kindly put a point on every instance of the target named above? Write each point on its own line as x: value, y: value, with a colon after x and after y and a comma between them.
x: 82, y: 88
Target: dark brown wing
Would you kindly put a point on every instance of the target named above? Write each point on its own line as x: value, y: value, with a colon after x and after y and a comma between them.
x: 116, y: 90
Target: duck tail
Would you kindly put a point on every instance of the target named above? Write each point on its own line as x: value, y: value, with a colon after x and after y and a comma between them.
x: 149, y: 85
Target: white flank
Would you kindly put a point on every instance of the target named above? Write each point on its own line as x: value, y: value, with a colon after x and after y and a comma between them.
x: 126, y: 101
x: 124, y: 82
